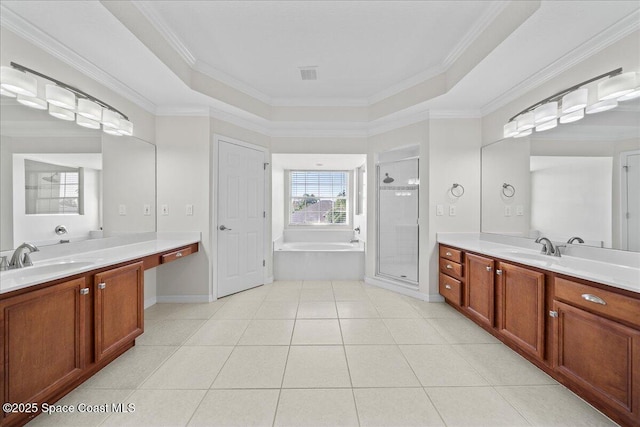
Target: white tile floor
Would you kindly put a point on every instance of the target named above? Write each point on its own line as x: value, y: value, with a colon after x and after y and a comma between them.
x: 322, y: 353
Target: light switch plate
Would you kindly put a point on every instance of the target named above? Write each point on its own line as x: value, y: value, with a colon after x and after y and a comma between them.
x: 439, y: 210
x: 519, y: 210
x: 122, y: 209
x: 189, y: 210
x: 452, y: 210
x: 164, y: 209
x: 507, y: 211
x: 146, y: 210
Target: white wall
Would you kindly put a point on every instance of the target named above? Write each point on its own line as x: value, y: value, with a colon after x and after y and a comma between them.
x: 6, y: 194
x: 277, y: 202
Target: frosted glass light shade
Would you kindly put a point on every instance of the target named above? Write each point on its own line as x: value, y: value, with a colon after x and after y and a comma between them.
x: 572, y: 117
x: 111, y: 131
x: 60, y: 97
x: 18, y: 82
x: 547, y: 125
x: 600, y: 106
x: 61, y: 113
x: 510, y: 129
x: 89, y: 109
x: 545, y: 112
x: 631, y: 95
x: 126, y: 127
x: 525, y: 121
x: 617, y: 86
x: 111, y: 119
x: 87, y: 123
x: 524, y: 133
x: 32, y: 102
x: 574, y: 101
x: 7, y: 93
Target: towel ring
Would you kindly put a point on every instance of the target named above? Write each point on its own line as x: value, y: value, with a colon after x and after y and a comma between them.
x: 456, y: 190
x: 508, y: 190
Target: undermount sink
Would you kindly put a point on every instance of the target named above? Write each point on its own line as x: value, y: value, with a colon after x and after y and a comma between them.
x: 531, y: 256
x: 44, y: 269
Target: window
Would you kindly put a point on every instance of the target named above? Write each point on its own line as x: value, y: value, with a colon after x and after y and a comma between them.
x: 52, y: 189
x: 318, y: 197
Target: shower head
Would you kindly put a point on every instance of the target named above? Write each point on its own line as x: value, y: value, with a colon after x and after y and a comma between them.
x: 388, y: 179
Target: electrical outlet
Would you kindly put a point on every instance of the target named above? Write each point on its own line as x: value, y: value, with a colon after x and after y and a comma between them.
x: 122, y: 209
x: 439, y: 210
x: 507, y: 211
x: 452, y: 210
x: 519, y: 210
x: 164, y: 209
x: 189, y: 210
x: 146, y: 210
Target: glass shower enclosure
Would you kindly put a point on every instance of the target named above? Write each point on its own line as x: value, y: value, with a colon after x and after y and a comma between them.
x: 397, y: 220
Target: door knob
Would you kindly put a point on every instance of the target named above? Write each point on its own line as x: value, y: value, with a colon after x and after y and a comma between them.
x: 223, y: 228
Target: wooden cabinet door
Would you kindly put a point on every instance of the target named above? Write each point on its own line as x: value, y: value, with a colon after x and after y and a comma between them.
x: 42, y: 341
x: 479, y: 288
x: 118, y: 308
x: 520, y: 311
x: 601, y: 356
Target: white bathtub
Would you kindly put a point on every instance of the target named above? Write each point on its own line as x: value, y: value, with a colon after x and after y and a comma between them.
x: 318, y: 260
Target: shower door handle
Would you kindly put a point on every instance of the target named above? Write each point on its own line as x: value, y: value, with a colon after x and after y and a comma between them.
x: 223, y: 228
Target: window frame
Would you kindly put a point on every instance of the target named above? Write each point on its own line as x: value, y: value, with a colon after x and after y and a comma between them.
x: 348, y: 197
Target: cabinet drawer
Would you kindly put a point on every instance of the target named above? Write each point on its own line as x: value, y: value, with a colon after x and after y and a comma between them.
x: 451, y: 268
x: 610, y: 304
x: 175, y: 255
x: 451, y: 254
x: 450, y: 288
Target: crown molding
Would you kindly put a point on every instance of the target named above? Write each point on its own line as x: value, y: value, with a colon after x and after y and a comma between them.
x: 478, y: 27
x: 163, y: 28
x: 230, y: 81
x: 602, y: 40
x: 27, y: 31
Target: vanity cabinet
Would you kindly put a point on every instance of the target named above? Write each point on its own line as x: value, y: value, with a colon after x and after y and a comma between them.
x: 520, y: 302
x: 118, y: 308
x: 597, y: 344
x: 583, y: 334
x: 479, y: 289
x: 451, y: 275
x: 42, y: 342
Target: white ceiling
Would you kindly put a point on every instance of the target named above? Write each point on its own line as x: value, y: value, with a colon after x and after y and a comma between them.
x: 361, y: 48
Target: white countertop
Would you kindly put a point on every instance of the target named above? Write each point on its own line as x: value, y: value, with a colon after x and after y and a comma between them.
x: 51, y: 267
x: 608, y: 273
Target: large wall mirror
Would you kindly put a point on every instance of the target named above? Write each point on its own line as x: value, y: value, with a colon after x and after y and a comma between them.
x: 53, y: 172
x: 576, y: 180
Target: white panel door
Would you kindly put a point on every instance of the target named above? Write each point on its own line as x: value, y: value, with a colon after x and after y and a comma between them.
x: 240, y: 225
x: 633, y: 202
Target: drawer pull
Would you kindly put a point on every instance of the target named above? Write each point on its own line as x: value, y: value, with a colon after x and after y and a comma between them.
x: 102, y: 285
x: 488, y: 268
x: 593, y: 298
x: 449, y: 267
x: 447, y: 286
x: 84, y: 291
x: 448, y: 254
x: 499, y: 272
x: 178, y: 254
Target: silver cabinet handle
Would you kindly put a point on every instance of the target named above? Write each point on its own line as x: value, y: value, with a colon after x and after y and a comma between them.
x: 499, y: 272
x: 553, y: 313
x: 447, y: 286
x: 488, y: 268
x: 84, y: 291
x: 448, y: 254
x: 593, y: 298
x: 102, y: 285
x: 449, y: 267
x: 223, y: 228
x: 178, y: 254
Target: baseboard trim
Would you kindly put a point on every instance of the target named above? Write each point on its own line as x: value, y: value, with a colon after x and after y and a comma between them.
x: 148, y: 302
x: 401, y: 289
x: 183, y: 299
x: 268, y: 280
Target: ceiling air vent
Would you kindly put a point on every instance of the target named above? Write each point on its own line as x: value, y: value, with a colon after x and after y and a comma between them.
x: 309, y: 73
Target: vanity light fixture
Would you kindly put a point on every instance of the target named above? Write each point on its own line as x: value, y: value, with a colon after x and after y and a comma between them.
x: 60, y: 100
x: 572, y: 103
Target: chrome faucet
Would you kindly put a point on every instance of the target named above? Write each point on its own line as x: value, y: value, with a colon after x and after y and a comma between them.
x: 575, y: 239
x: 18, y: 260
x: 547, y: 246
